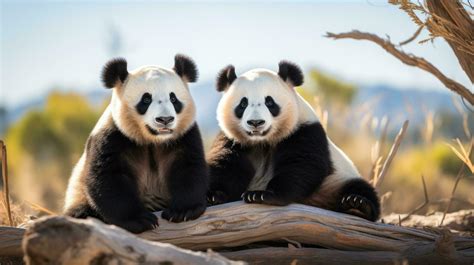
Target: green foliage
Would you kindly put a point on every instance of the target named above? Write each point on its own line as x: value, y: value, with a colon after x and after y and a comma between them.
x: 45, y: 143
x: 329, y: 87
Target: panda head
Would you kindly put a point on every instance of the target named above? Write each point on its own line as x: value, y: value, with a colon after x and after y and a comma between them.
x: 260, y: 106
x: 151, y: 104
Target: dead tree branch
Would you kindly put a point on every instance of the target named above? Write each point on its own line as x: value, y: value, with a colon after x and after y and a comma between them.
x: 408, y: 59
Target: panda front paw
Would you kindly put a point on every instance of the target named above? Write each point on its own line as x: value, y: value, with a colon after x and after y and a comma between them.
x: 143, y: 222
x: 263, y: 197
x: 176, y: 215
x: 216, y: 197
x: 357, y: 205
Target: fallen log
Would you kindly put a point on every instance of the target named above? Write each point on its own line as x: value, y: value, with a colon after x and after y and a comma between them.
x: 239, y: 224
x: 63, y: 240
x: 10, y: 241
x: 462, y: 221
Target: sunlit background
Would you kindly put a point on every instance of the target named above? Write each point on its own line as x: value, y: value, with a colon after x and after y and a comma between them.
x: 52, y: 53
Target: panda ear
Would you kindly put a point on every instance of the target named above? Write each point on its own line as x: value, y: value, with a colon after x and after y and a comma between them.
x: 185, y: 67
x: 114, y: 71
x: 225, y: 78
x: 290, y: 73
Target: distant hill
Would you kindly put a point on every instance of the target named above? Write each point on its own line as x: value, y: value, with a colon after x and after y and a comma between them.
x: 398, y: 104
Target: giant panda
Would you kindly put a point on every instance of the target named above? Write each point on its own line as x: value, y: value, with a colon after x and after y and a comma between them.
x: 273, y: 150
x: 145, y: 153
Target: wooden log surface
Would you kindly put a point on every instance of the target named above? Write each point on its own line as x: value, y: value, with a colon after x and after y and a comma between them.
x: 239, y: 224
x: 10, y: 241
x: 64, y: 240
x: 460, y: 221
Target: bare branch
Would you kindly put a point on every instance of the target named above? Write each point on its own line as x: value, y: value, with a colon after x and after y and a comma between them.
x: 408, y: 59
x: 391, y: 155
x: 412, y: 38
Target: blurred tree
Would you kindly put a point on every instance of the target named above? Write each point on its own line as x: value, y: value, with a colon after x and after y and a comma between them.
x: 3, y: 120
x: 45, y: 143
x: 331, y: 89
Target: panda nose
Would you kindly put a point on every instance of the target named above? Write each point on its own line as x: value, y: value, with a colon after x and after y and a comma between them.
x: 164, y: 120
x: 255, y: 123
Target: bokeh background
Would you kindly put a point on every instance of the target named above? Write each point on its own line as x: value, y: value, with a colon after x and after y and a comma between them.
x: 51, y: 96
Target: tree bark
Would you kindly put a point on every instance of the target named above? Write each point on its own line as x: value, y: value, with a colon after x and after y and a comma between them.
x: 63, y: 240
x: 460, y: 23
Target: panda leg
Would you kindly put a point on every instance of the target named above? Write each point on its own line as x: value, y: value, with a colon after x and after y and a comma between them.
x: 82, y: 211
x: 358, y: 197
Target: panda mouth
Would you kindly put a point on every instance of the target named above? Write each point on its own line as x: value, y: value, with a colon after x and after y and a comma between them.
x: 159, y: 131
x: 258, y: 132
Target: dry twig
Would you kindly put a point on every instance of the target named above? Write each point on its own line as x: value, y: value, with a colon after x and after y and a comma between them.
x: 6, y: 191
x: 458, y: 178
x: 421, y: 206
x: 391, y: 155
x: 408, y: 59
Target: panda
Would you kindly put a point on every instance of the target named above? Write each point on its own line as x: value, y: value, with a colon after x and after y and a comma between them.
x: 273, y: 150
x: 145, y: 153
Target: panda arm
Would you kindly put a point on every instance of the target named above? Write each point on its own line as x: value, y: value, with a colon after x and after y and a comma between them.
x: 111, y: 188
x: 230, y: 170
x: 187, y: 178
x: 302, y: 162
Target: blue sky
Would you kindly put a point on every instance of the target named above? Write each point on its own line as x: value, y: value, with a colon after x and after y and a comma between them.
x: 52, y: 44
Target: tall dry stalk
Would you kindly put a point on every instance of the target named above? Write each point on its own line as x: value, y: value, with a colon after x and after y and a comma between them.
x: 6, y: 191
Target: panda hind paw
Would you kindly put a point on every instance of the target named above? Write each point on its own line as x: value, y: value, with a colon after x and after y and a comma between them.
x: 357, y: 205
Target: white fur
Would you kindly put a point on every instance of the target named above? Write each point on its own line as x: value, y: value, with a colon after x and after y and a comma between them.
x: 159, y: 82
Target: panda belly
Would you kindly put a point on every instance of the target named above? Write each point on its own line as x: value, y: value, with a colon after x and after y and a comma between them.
x: 262, y: 161
x: 150, y: 168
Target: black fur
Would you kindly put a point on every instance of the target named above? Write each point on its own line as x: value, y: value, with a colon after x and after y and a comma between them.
x: 225, y: 78
x: 301, y: 164
x: 240, y: 109
x: 113, y: 189
x: 187, y: 178
x: 291, y: 72
x: 144, y: 103
x: 113, y: 71
x: 359, y: 195
x: 272, y: 106
x: 185, y: 67
x: 177, y: 104
x: 230, y: 169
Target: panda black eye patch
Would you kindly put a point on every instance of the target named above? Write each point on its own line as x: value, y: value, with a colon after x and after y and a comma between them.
x: 178, y: 105
x: 239, y: 110
x: 272, y: 106
x: 144, y: 103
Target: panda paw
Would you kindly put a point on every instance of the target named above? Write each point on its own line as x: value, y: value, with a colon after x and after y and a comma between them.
x: 216, y: 197
x: 262, y: 197
x: 357, y: 205
x: 183, y: 214
x: 143, y: 222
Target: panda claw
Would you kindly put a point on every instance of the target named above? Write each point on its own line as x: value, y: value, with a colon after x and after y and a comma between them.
x: 261, y: 197
x: 253, y: 198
